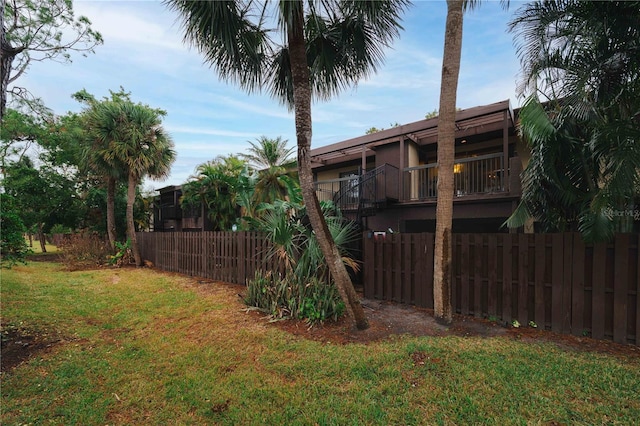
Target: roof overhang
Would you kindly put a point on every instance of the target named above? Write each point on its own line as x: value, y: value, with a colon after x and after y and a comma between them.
x: 469, y: 122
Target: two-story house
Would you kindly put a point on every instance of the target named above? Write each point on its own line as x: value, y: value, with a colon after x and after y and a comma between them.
x: 169, y: 216
x: 388, y: 179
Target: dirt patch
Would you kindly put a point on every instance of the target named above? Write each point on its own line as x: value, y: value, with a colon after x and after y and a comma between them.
x: 18, y: 345
x: 388, y: 319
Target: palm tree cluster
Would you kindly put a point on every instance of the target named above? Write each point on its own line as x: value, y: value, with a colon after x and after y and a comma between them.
x: 235, y: 187
x: 581, y: 72
x: 125, y: 141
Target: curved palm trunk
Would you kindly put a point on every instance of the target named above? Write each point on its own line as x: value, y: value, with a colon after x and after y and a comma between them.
x: 446, y: 154
x: 111, y: 212
x: 131, y: 229
x: 302, y: 107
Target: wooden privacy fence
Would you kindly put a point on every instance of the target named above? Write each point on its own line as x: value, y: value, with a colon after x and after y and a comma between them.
x: 226, y: 256
x: 555, y: 280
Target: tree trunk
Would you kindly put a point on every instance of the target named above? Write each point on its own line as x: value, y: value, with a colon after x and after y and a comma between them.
x: 111, y: 212
x: 131, y: 229
x: 446, y: 154
x: 302, y: 107
x: 42, y: 238
x: 6, y: 58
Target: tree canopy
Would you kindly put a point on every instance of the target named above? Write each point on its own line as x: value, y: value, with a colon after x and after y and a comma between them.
x: 581, y: 73
x: 36, y: 31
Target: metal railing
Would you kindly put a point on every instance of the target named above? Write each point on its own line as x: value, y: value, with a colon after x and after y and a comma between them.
x: 367, y: 190
x: 475, y: 175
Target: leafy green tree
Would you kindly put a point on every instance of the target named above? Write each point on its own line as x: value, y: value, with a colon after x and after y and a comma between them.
x: 320, y: 48
x: 18, y: 132
x: 42, y: 197
x: 581, y: 73
x: 13, y: 247
x: 131, y: 135
x: 36, y: 31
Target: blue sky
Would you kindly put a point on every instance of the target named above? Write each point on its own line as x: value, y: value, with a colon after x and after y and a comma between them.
x: 144, y: 53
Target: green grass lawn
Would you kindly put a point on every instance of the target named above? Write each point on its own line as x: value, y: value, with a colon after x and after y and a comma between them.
x: 141, y: 347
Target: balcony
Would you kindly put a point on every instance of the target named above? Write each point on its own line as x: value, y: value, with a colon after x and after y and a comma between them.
x: 476, y: 175
x: 370, y: 190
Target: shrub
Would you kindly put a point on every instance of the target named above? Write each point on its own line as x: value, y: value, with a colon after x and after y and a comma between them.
x: 13, y: 247
x: 84, y: 249
x: 291, y: 297
x: 123, y: 255
x: 305, y: 290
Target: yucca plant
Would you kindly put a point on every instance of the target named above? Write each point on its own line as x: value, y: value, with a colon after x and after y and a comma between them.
x: 305, y: 290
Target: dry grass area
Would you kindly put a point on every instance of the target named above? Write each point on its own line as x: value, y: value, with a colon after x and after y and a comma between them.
x: 137, y: 346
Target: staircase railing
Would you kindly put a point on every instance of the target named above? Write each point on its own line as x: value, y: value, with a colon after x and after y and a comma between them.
x: 364, y: 193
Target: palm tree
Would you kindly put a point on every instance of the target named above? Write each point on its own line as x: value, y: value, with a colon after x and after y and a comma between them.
x: 326, y: 46
x: 132, y: 135
x: 110, y: 173
x: 94, y: 153
x: 215, y: 186
x: 268, y: 152
x: 446, y: 155
x: 581, y: 69
x: 274, y: 164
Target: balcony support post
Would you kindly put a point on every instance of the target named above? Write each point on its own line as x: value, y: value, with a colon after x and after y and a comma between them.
x: 402, y: 157
x: 505, y: 152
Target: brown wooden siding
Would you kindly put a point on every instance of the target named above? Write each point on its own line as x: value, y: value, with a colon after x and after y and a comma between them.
x: 554, y: 280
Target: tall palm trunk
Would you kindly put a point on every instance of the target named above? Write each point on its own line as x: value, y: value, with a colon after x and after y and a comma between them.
x: 131, y: 229
x: 302, y: 107
x: 446, y: 154
x: 111, y: 212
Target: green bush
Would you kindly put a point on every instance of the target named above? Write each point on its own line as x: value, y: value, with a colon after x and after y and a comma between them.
x: 123, y: 255
x: 291, y: 297
x: 13, y: 247
x: 305, y: 290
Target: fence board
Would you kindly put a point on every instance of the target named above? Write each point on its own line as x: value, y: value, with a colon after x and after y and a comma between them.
x: 557, y: 285
x: 492, y: 271
x: 577, y: 287
x: 398, y: 294
x: 567, y: 282
x: 368, y: 273
x: 523, y: 279
x: 637, y: 288
x: 426, y: 275
x: 406, y: 282
x: 464, y: 274
x: 598, y: 290
x: 477, y: 276
x: 539, y: 264
x: 620, y: 288
x: 507, y: 277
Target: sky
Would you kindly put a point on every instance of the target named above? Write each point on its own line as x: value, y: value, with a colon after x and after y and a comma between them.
x: 143, y: 52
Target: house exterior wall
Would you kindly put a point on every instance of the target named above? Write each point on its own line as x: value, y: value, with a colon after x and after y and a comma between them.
x: 483, y: 216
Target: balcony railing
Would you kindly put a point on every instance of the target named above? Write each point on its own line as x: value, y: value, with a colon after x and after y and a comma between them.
x: 475, y: 175
x: 354, y: 192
